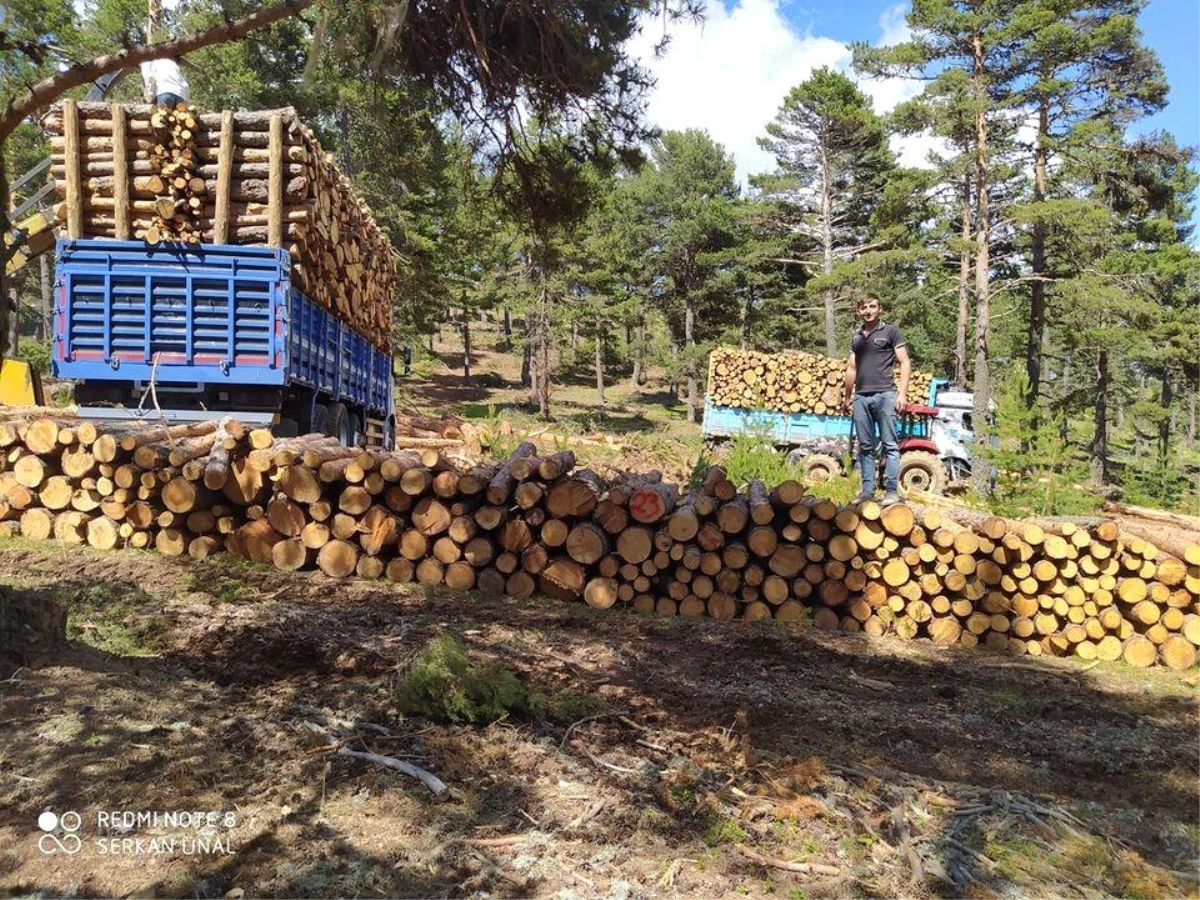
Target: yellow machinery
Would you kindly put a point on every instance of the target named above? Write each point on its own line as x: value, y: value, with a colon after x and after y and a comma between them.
x: 31, y: 237
x: 20, y: 384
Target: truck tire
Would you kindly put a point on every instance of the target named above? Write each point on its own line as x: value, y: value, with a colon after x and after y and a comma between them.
x: 320, y: 420
x: 820, y: 467
x: 356, y: 430
x: 339, y: 424
x: 922, y: 471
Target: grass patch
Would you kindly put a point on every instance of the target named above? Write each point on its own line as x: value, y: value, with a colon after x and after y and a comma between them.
x: 723, y: 830
x: 108, y: 617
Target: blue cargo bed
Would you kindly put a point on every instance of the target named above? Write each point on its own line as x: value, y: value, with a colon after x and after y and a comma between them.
x: 206, y: 314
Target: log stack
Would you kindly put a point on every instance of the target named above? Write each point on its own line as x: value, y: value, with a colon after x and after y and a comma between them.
x: 138, y: 171
x: 787, y: 382
x: 535, y: 523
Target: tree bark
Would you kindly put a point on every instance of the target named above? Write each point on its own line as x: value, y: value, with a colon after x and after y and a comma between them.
x: 827, y: 256
x: 635, y: 378
x: 980, y: 468
x: 1192, y: 419
x: 747, y: 308
x: 5, y: 225
x: 46, y: 285
x: 1164, y: 426
x: 689, y: 325
x: 1037, y: 295
x: 507, y: 324
x: 964, y: 288
x: 466, y: 336
x: 542, y: 347
x: 14, y: 317
x: 600, y: 359
x: 1100, y: 473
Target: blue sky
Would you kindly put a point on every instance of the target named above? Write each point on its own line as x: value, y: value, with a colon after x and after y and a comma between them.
x: 730, y: 74
x: 1171, y: 29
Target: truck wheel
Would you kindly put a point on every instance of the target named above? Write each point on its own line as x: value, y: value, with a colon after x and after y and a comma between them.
x: 286, y: 428
x: 820, y: 467
x: 340, y: 424
x: 320, y: 420
x: 356, y: 430
x: 922, y: 471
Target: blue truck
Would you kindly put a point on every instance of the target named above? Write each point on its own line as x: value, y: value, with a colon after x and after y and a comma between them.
x: 188, y: 332
x: 935, y: 437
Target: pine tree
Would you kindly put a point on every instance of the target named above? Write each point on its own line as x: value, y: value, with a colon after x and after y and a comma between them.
x: 833, y: 156
x: 971, y: 42
x: 1081, y: 61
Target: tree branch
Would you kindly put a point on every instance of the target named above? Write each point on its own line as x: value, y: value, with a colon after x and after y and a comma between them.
x: 50, y: 89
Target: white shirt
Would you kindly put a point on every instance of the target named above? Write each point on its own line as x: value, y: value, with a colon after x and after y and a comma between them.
x: 164, y: 76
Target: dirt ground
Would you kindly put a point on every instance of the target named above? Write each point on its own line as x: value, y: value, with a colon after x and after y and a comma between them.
x: 893, y: 769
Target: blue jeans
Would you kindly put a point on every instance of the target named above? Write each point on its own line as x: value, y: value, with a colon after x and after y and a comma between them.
x: 170, y: 101
x: 875, y: 424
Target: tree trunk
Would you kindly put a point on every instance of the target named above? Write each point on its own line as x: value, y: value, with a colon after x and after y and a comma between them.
x: 689, y: 325
x: 1037, y: 295
x: 827, y: 256
x: 1164, y: 426
x: 1100, y: 473
x: 466, y: 336
x: 981, y: 468
x: 46, y: 283
x: 964, y: 288
x: 14, y: 317
x: 635, y: 378
x: 1064, y: 401
x: 600, y: 359
x: 674, y: 386
x: 747, y: 307
x: 541, y: 369
x: 1192, y: 418
x: 5, y: 226
x: 507, y: 323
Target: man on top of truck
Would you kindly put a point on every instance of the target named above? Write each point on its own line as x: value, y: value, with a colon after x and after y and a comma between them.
x: 165, y: 81
x: 871, y: 394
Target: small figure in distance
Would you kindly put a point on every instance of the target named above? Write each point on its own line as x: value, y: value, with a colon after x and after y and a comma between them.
x: 871, y: 396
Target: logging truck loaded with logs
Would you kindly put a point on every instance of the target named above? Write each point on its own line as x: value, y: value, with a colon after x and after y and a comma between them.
x: 218, y: 263
x: 794, y: 400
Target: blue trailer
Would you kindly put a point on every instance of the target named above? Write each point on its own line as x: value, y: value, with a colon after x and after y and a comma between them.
x: 188, y: 332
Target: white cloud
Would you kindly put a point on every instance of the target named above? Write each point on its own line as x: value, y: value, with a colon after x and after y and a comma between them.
x: 730, y: 74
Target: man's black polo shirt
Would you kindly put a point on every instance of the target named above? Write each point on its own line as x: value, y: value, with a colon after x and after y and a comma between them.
x: 875, y: 357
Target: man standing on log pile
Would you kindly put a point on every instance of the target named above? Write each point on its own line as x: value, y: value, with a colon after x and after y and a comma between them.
x: 872, y: 396
x: 165, y: 82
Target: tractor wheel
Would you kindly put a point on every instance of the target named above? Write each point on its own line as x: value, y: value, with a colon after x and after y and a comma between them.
x: 922, y: 471
x: 820, y: 467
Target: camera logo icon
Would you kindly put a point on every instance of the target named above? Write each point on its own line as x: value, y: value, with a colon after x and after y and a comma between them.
x: 60, y: 833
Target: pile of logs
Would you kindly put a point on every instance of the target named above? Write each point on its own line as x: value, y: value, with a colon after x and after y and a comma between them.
x: 537, y: 524
x: 137, y: 171
x: 788, y: 382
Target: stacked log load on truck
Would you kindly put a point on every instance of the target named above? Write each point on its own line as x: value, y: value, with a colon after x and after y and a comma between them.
x: 223, y: 259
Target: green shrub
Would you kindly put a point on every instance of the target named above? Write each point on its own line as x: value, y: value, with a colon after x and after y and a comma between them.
x: 754, y: 457
x: 37, y: 354
x: 443, y: 685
